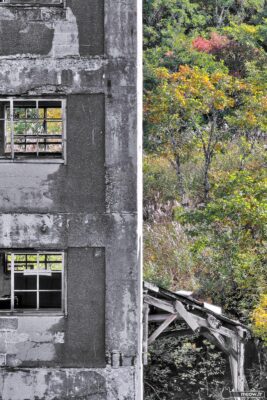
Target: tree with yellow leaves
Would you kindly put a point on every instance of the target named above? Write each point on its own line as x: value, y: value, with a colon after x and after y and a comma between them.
x: 190, y: 108
x: 260, y: 318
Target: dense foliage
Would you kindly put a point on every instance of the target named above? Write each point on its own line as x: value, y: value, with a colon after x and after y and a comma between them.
x: 205, y: 176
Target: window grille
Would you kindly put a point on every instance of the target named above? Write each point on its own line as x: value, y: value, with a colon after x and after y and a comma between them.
x: 36, y: 281
x: 33, y: 128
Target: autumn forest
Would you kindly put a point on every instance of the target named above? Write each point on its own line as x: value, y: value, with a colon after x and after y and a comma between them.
x: 205, y: 180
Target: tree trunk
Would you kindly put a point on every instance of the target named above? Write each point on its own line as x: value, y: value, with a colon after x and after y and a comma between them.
x: 180, y: 182
x: 206, y: 177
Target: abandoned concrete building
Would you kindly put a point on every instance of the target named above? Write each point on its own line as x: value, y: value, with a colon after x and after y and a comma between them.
x: 69, y: 231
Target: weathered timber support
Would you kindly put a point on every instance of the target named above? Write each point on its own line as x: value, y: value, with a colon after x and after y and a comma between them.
x: 228, y: 335
x: 161, y: 328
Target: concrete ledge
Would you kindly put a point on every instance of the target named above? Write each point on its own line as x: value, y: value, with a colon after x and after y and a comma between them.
x: 67, y: 384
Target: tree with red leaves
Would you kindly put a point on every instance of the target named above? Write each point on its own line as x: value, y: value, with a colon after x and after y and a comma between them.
x: 212, y: 45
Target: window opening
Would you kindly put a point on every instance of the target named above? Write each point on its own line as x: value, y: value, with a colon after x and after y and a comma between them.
x: 33, y: 128
x: 31, y: 281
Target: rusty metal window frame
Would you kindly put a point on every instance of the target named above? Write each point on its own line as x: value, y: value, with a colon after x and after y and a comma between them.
x: 35, y: 155
x: 36, y: 273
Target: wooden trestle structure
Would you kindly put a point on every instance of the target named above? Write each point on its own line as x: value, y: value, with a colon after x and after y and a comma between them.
x: 162, y: 307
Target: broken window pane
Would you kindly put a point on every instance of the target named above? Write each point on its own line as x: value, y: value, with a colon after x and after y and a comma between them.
x: 37, y: 281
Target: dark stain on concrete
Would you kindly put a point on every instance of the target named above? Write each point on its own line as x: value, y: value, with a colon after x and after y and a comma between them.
x: 21, y: 37
x: 90, y: 19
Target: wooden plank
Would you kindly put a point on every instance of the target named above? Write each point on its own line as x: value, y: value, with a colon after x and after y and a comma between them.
x: 189, y: 318
x: 241, y: 366
x: 177, y: 333
x: 203, y: 323
x: 237, y: 366
x: 161, y: 328
x: 161, y: 304
x: 158, y: 317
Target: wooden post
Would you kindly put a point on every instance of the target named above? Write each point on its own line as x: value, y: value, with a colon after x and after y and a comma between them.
x: 145, y: 332
x: 237, y: 366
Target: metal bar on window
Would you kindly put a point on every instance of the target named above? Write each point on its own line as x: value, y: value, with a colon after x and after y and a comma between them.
x: 38, y: 285
x: 17, y: 142
x: 12, y: 127
x: 37, y: 134
x: 64, y: 130
x: 45, y: 126
x: 35, y: 291
x: 62, y: 281
x: 25, y: 135
x: 12, y: 281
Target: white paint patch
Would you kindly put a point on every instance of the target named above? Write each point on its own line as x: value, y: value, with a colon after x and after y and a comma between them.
x: 6, y: 14
x: 59, y: 337
x: 66, y: 37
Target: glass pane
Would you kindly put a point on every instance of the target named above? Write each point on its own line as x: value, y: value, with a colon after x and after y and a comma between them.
x: 20, y: 128
x: 50, y: 262
x: 25, y: 262
x: 56, y: 266
x: 54, y: 257
x: 25, y: 282
x: 31, y: 113
x: 25, y: 299
x: 19, y: 113
x: 50, y: 299
x: 19, y: 144
x: 54, y: 128
x: 54, y: 148
x: 54, y: 113
x: 5, y: 284
x: 50, y: 104
x: 52, y: 282
x: 33, y: 128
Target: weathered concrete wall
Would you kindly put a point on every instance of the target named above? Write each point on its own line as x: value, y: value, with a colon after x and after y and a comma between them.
x: 76, y: 339
x: 30, y: 340
x: 75, y: 187
x: 67, y: 384
x: 75, y: 30
x: 85, y: 52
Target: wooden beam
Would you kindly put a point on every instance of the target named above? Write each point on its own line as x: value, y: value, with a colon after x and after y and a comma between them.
x: 161, y: 304
x: 161, y: 328
x: 223, y: 344
x: 178, y: 332
x: 158, y: 317
x: 187, y: 316
x: 196, y: 322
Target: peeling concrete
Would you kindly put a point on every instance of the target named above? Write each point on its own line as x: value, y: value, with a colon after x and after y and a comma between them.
x: 66, y: 37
